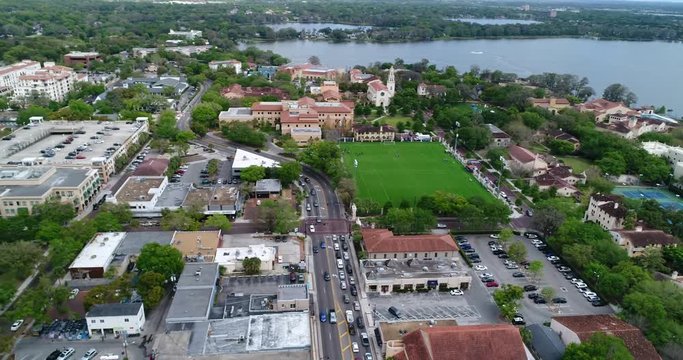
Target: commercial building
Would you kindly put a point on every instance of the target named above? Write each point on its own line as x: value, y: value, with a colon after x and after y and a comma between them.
x: 23, y: 187
x: 141, y: 192
x: 292, y: 297
x: 52, y: 81
x: 231, y: 258
x: 383, y: 244
x: 554, y: 105
x: 83, y: 58
x: 189, y: 34
x: 197, y: 246
x: 304, y: 112
x: 115, y: 319
x: 578, y: 328
x: 472, y: 342
x: 379, y: 94
x: 386, y: 276
x: 234, y: 64
x: 309, y: 72
x: 304, y: 136
x: 607, y: 211
x: 499, y: 138
x: 525, y: 160
x: 95, y: 258
x: 244, y: 159
x: 195, y: 291
x: 365, y: 133
x: 266, y: 187
x: 635, y: 242
x: 239, y: 114
x: 73, y: 144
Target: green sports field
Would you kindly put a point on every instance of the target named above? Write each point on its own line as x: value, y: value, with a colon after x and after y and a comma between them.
x: 407, y: 171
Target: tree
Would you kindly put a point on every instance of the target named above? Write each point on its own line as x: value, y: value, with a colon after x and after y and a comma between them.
x: 212, y: 167
x: 277, y: 216
x: 148, y: 281
x: 612, y: 163
x: 206, y: 114
x: 314, y: 60
x: 619, y: 93
x: 218, y: 221
x: 166, y: 125
x: 507, y: 299
x: 347, y: 191
x: 560, y: 147
x: 324, y: 156
x: 289, y: 145
x: 153, y: 297
x: 252, y: 265
x: 179, y: 219
x: 535, y: 269
x: 288, y: 172
x: 474, y: 137
x: 408, y: 221
x: 598, y: 346
x: 548, y: 293
x: 532, y: 120
x: 505, y: 236
x: 517, y: 251
x: 547, y: 218
x: 163, y: 259
x: 243, y: 133
x: 253, y: 173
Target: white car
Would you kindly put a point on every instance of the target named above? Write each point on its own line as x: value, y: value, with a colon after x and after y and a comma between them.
x: 66, y: 353
x: 512, y: 266
x: 553, y: 258
x: 89, y: 354
x: 494, y: 236
x: 356, y: 306
x: 311, y: 228
x: 354, y: 347
x: 576, y: 280
x: 484, y: 275
x: 457, y: 292
x: 588, y: 294
x: 17, y: 324
x: 581, y: 285
x: 73, y: 293
x: 441, y: 226
x: 346, y: 255
x: 480, y: 268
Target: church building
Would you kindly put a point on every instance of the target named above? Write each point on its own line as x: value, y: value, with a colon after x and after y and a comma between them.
x: 380, y: 94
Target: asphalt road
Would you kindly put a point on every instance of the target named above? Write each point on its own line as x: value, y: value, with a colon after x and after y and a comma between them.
x: 186, y: 112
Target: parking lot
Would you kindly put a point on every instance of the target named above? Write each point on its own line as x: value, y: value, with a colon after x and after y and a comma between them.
x: 551, y: 277
x: 422, y: 306
x: 36, y: 348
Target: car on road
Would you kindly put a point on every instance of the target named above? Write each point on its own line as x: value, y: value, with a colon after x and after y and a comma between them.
x: 342, y: 276
x: 559, y: 300
x: 322, y: 244
x: 598, y: 302
x: 66, y: 353
x: 480, y: 267
x: 364, y: 339
x: 333, y: 317
x: 441, y: 226
x: 342, y: 284
x: 456, y: 292
x: 346, y: 255
x: 323, y: 317
x: 492, y: 284
x: 354, y: 291
x: 346, y: 299
x: 89, y: 354
x: 315, y: 249
x: 16, y: 325
x: 326, y: 276
x: 356, y: 306
x: 469, y: 250
x: 518, y: 319
x: 533, y: 295
x: 530, y: 235
x: 518, y: 274
x: 54, y: 355
x: 359, y: 322
x: 354, y: 347
x: 311, y: 228
x: 368, y: 356
x: 552, y: 258
x: 494, y: 236
x: 530, y: 287
x: 564, y: 269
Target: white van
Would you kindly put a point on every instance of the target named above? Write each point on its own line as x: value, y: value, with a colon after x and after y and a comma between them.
x: 336, y: 246
x: 349, y: 316
x: 340, y: 264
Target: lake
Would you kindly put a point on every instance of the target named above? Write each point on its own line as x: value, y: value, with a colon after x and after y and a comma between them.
x: 497, y: 21
x: 315, y: 26
x: 650, y: 69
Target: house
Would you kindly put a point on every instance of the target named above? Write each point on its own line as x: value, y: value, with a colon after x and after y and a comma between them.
x: 431, y: 90
x: 554, y: 105
x: 547, y: 181
x: 607, y: 211
x: 194, y: 294
x: 94, y: 260
x: 522, y: 159
x: 499, y: 138
x: 636, y: 241
x: 83, y: 58
x: 380, y: 94
x: 602, y: 108
x: 231, y: 258
x: 578, y: 328
x: 292, y: 297
x: 115, y: 319
x: 197, y: 246
x: 466, y: 342
x: 365, y: 133
x: 631, y: 126
x: 244, y: 159
x: 236, y: 65
x: 383, y: 244
x: 264, y: 188
x: 561, y: 135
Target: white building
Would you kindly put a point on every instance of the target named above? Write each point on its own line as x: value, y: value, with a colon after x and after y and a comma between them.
x: 231, y: 258
x: 380, y: 94
x: 141, y: 192
x: 244, y: 159
x: 52, y: 81
x: 9, y: 75
x: 607, y: 211
x: 115, y: 319
x: 95, y: 258
x: 235, y: 64
x: 190, y: 35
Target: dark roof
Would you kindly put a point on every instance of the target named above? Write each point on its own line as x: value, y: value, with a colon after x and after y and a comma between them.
x: 521, y: 154
x: 614, y: 209
x: 586, y: 325
x: 475, y: 342
x: 115, y: 309
x: 643, y: 238
x: 561, y: 172
x: 384, y: 241
x: 600, y: 197
x: 152, y: 167
x: 545, y: 342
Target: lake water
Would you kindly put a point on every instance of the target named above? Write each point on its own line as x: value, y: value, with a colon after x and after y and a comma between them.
x: 497, y: 21
x: 315, y: 26
x: 650, y: 69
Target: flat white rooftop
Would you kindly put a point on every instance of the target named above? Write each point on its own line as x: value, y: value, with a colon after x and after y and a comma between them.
x: 231, y: 255
x: 245, y: 159
x: 99, y: 252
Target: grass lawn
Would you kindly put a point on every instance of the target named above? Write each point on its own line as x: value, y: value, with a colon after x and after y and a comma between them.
x: 407, y: 171
x: 393, y: 120
x: 577, y: 163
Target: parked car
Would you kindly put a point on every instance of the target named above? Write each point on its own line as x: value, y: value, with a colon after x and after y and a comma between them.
x: 480, y: 267
x: 494, y: 236
x: 16, y: 325
x: 492, y: 284
x: 394, y: 311
x: 456, y: 292
x: 530, y: 287
x: 559, y: 300
x: 89, y: 354
x: 598, y: 302
x: 441, y: 226
x: 66, y: 353
x: 533, y: 295
x: 359, y: 322
x: 518, y: 319
x: 518, y: 274
x: 354, y: 347
x: 539, y: 300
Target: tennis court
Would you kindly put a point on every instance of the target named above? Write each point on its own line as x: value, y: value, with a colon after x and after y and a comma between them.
x: 663, y: 197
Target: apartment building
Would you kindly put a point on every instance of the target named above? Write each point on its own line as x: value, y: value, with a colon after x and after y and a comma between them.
x: 607, y: 211
x: 52, y: 81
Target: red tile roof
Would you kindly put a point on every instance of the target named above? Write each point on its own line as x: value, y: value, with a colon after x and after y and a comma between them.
x: 384, y: 241
x: 152, y: 167
x: 266, y: 107
x: 521, y: 154
x: 586, y: 325
x: 643, y: 238
x: 377, y: 85
x: 472, y: 342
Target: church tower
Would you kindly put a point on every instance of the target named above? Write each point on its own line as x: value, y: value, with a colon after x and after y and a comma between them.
x: 391, y: 82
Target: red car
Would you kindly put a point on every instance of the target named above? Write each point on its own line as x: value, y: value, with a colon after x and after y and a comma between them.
x: 492, y: 284
x: 80, y: 157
